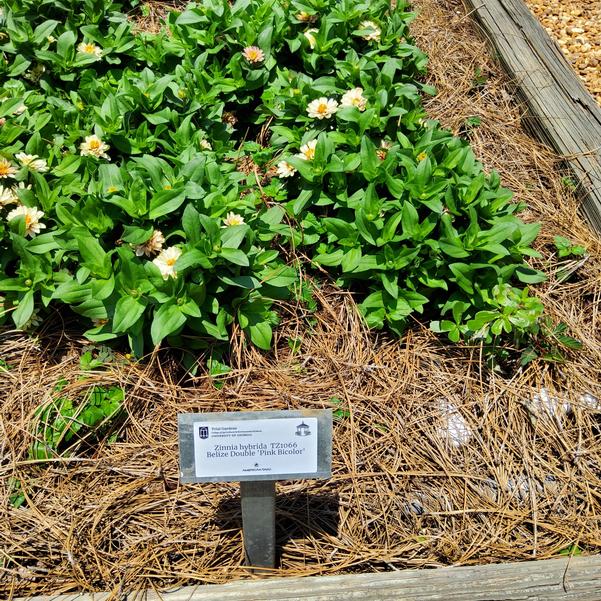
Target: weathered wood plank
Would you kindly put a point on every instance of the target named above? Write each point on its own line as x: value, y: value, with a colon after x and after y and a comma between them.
x: 564, y: 579
x: 562, y: 112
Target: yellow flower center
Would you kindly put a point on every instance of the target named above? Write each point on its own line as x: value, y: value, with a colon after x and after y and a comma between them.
x: 94, y: 144
x: 28, y: 221
x: 322, y: 108
x: 111, y: 189
x: 5, y: 169
x: 89, y: 48
x: 171, y: 262
x: 167, y: 187
x: 253, y: 54
x: 421, y: 156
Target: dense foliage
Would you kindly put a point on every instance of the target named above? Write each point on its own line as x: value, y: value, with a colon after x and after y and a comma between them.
x: 173, y: 184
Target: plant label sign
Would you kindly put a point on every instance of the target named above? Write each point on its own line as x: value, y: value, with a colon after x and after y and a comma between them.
x: 255, y: 445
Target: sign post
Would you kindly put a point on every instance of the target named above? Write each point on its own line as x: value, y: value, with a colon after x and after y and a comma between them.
x: 256, y: 448
x: 258, y: 522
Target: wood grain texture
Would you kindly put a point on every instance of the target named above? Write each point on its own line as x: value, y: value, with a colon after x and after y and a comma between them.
x: 562, y: 113
x: 575, y: 579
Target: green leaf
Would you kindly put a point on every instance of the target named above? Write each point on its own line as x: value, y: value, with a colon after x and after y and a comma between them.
x: 463, y: 276
x: 236, y: 256
x: 369, y: 159
x: 530, y: 276
x: 193, y: 258
x: 260, y: 335
x: 351, y: 260
x: 94, y: 256
x: 43, y: 31
x: 166, y: 321
x: 191, y: 224
x: 24, y: 310
x: 127, y: 312
x: 65, y: 45
x: 410, y: 221
x: 339, y: 228
x: 232, y: 237
x: 136, y: 235
x: 329, y: 259
x: 366, y: 228
x: 42, y: 243
x: 165, y: 202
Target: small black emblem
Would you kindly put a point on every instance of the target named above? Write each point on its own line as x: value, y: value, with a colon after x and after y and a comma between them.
x: 203, y: 432
x: 302, y: 430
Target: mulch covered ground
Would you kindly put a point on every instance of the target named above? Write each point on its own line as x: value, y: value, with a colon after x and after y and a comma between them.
x: 437, y: 460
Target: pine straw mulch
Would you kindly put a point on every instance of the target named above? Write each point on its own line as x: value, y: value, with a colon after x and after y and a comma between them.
x: 404, y: 493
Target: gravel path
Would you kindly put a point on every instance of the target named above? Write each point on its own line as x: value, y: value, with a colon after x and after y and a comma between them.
x: 576, y: 25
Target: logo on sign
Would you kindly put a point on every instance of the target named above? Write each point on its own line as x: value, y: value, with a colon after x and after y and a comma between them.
x: 302, y: 430
x: 203, y: 432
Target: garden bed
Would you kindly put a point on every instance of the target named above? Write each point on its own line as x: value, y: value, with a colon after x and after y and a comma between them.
x: 437, y: 459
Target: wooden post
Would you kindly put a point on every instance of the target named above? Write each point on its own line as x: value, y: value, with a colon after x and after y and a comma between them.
x: 562, y: 112
x: 562, y: 579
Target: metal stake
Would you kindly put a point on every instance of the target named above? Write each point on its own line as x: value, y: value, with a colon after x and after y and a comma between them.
x: 258, y: 522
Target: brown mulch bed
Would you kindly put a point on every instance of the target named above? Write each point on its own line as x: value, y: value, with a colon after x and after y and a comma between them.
x: 437, y: 460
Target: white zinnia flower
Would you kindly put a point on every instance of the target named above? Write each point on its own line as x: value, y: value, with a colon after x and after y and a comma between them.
x: 354, y: 98
x: 374, y: 34
x: 7, y: 169
x: 91, y: 49
x: 253, y: 54
x: 166, y: 261
x: 20, y: 110
x: 232, y: 219
x: 322, y: 108
x: 307, y: 151
x: 205, y: 145
x: 285, y: 169
x: 32, y: 161
x: 95, y: 147
x: 7, y: 196
x: 152, y: 246
x: 310, y: 35
x: 32, y: 219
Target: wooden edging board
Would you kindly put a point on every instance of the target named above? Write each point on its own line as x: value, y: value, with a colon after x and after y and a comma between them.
x: 562, y: 113
x: 562, y: 579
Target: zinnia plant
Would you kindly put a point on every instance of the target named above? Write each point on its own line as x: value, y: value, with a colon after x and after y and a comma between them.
x: 164, y: 186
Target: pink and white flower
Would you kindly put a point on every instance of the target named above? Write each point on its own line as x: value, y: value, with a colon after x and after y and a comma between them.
x: 253, y: 54
x: 152, y: 246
